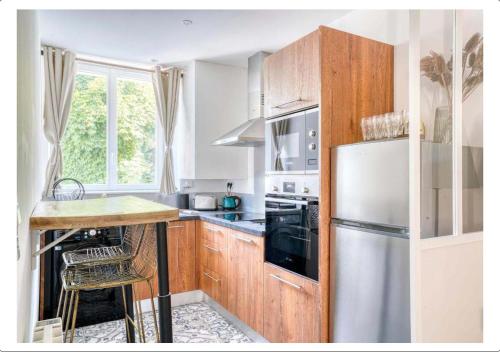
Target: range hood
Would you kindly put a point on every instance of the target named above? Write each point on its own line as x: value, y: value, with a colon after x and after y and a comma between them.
x: 250, y: 133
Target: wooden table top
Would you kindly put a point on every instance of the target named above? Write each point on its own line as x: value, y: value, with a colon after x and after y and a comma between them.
x: 99, y: 212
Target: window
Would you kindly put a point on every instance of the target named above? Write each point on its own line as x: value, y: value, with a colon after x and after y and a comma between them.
x: 112, y: 137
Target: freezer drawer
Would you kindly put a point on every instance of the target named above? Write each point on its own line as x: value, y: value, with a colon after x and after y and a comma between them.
x: 371, y: 286
x: 371, y: 182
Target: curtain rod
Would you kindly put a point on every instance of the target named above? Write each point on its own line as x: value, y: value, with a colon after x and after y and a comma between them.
x: 104, y: 63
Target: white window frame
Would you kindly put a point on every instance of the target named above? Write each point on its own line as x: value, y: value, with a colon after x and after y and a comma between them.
x: 112, y: 74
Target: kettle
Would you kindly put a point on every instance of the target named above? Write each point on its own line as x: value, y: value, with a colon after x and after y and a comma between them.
x: 230, y: 202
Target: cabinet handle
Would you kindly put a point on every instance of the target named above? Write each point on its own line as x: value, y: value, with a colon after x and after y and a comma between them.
x: 211, y: 277
x: 211, y: 229
x: 211, y: 248
x: 176, y: 227
x: 246, y: 240
x: 281, y: 106
x: 286, y: 282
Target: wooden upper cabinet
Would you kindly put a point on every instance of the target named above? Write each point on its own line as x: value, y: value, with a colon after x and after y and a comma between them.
x: 291, y: 77
x: 245, y: 278
x: 291, y: 307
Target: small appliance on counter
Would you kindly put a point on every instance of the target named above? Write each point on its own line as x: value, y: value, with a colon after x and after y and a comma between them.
x: 183, y: 200
x: 205, y: 202
x: 230, y: 202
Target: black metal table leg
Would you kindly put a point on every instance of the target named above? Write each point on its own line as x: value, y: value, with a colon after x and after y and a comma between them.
x: 130, y: 311
x: 164, y: 303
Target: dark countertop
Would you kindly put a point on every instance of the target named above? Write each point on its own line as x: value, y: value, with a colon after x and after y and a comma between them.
x: 209, y: 216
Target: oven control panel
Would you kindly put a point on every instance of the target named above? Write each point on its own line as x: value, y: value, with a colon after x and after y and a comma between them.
x: 301, y: 185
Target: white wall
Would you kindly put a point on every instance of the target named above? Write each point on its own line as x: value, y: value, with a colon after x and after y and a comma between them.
x: 388, y: 26
x: 31, y: 159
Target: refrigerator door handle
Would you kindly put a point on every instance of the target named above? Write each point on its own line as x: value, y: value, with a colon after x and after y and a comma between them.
x: 379, y: 229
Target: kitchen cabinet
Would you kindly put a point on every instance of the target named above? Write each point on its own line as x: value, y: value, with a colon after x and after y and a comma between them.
x: 291, y: 306
x: 181, y: 241
x: 245, y: 278
x: 213, y: 102
x: 349, y: 77
x: 292, y: 78
x: 213, y: 248
x: 212, y: 261
x: 214, y: 285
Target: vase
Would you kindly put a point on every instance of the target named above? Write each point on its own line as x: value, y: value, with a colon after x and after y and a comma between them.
x: 442, y: 125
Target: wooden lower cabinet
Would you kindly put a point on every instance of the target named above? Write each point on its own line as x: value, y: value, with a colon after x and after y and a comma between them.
x: 181, y: 241
x: 212, y: 260
x: 214, y: 285
x: 291, y: 307
x: 245, y: 278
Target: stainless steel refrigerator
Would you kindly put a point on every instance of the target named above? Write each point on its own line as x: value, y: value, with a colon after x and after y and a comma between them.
x: 371, y: 251
x: 370, y: 273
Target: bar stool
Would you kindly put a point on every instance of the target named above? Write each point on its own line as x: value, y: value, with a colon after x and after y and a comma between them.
x: 141, y: 268
x: 102, y: 255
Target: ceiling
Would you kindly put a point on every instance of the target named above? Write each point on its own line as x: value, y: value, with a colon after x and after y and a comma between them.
x: 140, y: 36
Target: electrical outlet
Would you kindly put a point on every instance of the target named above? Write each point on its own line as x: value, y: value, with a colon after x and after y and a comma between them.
x: 187, y: 184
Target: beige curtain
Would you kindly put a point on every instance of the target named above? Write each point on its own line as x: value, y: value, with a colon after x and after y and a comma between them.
x: 59, y: 71
x: 166, y: 87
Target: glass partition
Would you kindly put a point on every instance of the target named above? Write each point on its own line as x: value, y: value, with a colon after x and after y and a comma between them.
x: 472, y: 120
x: 436, y: 131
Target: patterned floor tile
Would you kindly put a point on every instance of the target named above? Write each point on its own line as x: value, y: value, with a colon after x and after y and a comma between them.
x: 192, y: 323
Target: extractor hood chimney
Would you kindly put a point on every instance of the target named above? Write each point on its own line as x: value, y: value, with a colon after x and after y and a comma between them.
x: 250, y: 133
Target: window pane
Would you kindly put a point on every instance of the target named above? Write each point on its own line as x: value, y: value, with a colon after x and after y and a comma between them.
x: 436, y: 87
x: 84, y: 143
x: 472, y: 121
x: 136, y: 132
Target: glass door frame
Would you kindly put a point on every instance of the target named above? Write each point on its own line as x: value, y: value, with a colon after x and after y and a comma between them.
x: 417, y: 243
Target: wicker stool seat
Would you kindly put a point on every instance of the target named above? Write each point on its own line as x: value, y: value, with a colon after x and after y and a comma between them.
x: 106, y: 255
x: 98, y: 255
x: 141, y: 267
x: 100, y: 276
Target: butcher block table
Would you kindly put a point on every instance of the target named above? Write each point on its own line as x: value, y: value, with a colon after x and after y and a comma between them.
x: 74, y: 215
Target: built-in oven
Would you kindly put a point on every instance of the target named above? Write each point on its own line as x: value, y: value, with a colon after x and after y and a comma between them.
x: 292, y: 143
x: 292, y: 233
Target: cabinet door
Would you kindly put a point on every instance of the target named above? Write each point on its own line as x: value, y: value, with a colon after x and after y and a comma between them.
x: 245, y: 274
x: 213, y: 248
x: 291, y: 77
x: 181, y: 256
x: 291, y: 307
x: 181, y: 261
x: 214, y: 285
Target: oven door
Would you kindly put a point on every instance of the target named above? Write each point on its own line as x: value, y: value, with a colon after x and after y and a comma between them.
x: 285, y: 144
x: 292, y: 236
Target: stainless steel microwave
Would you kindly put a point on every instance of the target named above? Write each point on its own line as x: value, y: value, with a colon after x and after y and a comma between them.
x: 292, y: 143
